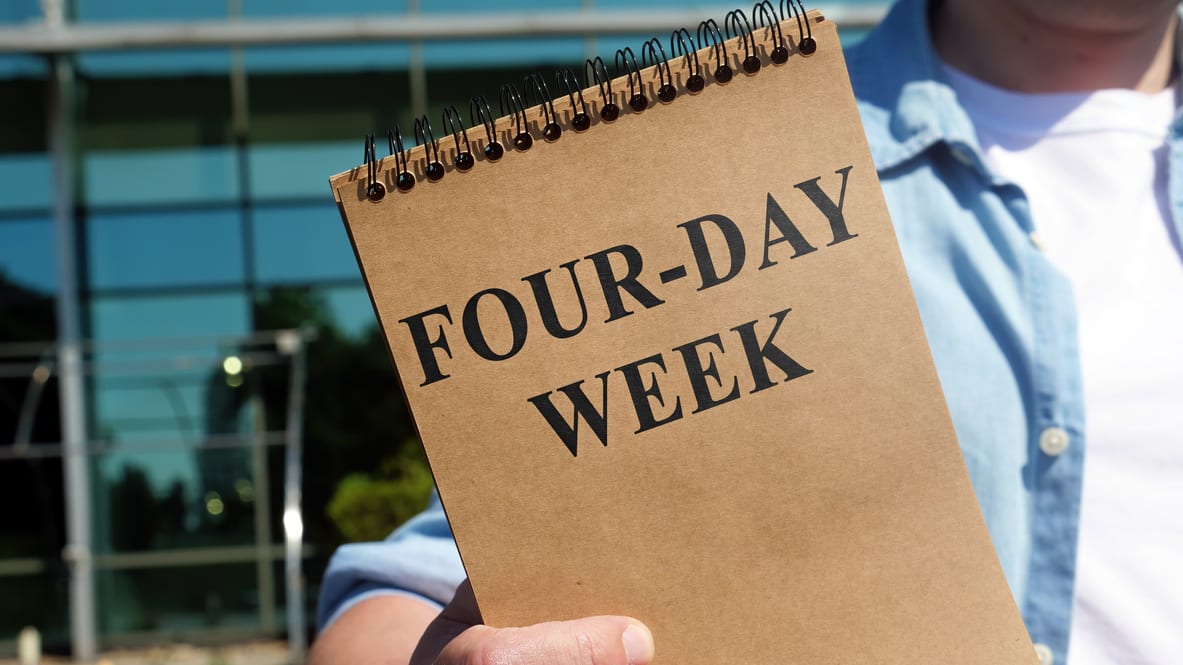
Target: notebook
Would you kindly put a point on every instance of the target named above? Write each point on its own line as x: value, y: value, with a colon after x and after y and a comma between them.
x: 655, y: 332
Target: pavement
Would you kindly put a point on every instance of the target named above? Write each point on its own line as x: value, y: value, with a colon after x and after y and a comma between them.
x: 251, y: 653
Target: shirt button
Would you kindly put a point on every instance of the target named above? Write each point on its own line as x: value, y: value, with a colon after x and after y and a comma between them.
x: 1037, y: 241
x: 1053, y: 441
x: 1044, y: 652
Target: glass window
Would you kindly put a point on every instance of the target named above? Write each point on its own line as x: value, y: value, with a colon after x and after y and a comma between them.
x: 538, y: 52
x: 606, y: 45
x: 27, y: 413
x: 16, y: 66
x: 456, y: 87
x: 351, y: 310
x: 27, y: 259
x: 36, y: 528
x: 25, y: 181
x: 336, y: 311
x: 36, y: 600
x: 173, y: 62
x: 312, y: 569
x: 158, y: 403
x: 328, y: 57
x: 179, y: 498
x: 188, y: 330
x: 632, y: 4
x: 165, y: 248
x: 301, y: 244
x: 346, y: 411
x: 145, y: 10
x: 157, y: 176
x: 19, y: 11
x: 182, y: 601
x: 147, y: 387
x: 154, y: 140
x: 26, y: 316
x: 24, y: 165
x: 172, y: 316
x: 321, y: 8
x: 484, y: 7
x: 28, y: 281
x: 323, y: 108
x: 299, y: 169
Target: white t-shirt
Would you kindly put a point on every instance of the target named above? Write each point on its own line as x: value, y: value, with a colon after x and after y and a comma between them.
x: 1094, y: 168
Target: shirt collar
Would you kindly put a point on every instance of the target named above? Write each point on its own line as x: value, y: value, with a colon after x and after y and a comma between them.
x: 898, y: 77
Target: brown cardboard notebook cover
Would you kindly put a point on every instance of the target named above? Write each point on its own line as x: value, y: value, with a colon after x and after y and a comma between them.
x: 671, y: 367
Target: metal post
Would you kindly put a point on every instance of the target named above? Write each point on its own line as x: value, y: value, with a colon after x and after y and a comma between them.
x: 416, y: 70
x: 262, y: 505
x: 75, y: 461
x: 293, y: 520
x: 589, y: 40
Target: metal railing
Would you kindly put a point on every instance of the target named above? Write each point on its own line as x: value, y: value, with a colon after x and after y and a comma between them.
x: 62, y: 38
x: 283, y: 349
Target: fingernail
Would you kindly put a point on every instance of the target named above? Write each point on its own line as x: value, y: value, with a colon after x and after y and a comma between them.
x: 638, y: 644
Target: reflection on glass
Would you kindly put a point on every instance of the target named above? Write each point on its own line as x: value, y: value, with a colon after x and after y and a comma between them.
x: 34, y: 519
x: 157, y: 407
x: 171, y: 489
x: 13, y: 66
x: 320, y: 8
x: 501, y: 53
x: 27, y: 259
x: 42, y: 603
x: 24, y: 179
x: 142, y: 318
x: 168, y: 480
x: 328, y: 58
x: 165, y: 249
x: 352, y: 312
x: 178, y: 599
x: 162, y: 175
x: 481, y: 6
x: 298, y: 170
x: 18, y: 11
x: 141, y: 10
x: 302, y: 244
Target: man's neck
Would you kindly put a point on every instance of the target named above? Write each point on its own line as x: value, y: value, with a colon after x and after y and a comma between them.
x: 1024, y: 46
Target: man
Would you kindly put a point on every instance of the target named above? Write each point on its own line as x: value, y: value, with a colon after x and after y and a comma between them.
x: 1033, y: 164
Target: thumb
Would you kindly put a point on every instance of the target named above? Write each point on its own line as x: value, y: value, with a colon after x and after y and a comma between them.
x: 600, y: 640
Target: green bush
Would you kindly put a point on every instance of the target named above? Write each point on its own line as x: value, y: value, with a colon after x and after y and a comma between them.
x: 369, y: 506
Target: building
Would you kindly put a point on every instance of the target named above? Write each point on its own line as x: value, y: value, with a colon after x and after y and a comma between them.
x: 164, y: 210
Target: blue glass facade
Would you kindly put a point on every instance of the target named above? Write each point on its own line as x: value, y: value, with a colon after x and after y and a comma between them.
x: 202, y: 215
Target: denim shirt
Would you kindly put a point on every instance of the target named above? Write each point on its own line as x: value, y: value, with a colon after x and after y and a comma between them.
x: 999, y: 317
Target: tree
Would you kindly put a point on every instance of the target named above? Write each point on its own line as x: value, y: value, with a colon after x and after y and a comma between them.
x: 355, y: 423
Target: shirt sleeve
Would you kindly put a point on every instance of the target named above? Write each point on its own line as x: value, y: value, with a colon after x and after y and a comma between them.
x: 418, y: 560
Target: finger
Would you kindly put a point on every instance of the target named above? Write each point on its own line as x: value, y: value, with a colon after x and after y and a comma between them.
x: 602, y: 640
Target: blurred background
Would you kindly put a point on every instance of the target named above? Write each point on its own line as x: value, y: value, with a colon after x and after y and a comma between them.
x: 196, y: 406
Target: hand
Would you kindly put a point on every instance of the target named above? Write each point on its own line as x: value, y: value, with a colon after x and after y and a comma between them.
x: 456, y: 637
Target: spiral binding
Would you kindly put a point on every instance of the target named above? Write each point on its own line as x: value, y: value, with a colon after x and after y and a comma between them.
x: 708, y: 30
x: 581, y: 120
x: 535, y: 85
x: 516, y: 107
x: 464, y: 159
x: 666, y: 92
x: 609, y: 111
x: 763, y: 11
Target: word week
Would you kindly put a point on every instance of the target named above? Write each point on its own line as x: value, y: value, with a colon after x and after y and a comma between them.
x: 623, y: 284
